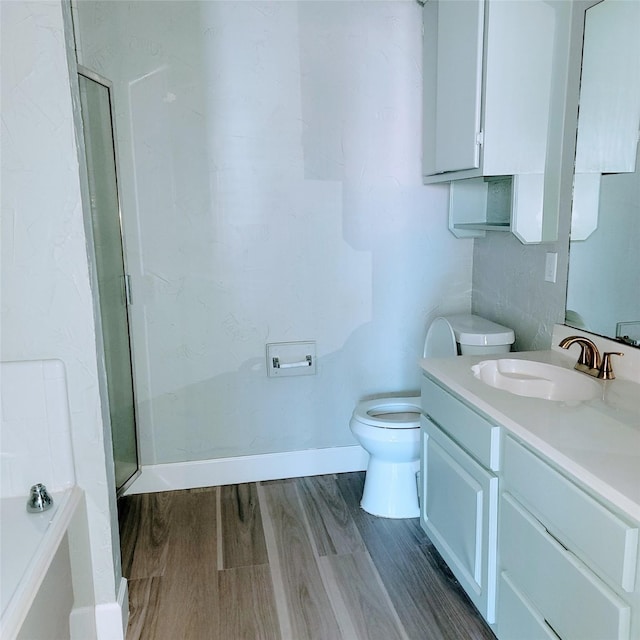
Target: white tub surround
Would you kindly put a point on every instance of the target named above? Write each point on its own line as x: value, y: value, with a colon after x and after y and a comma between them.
x: 35, y: 447
x: 28, y: 549
x: 47, y: 584
x: 596, y: 442
x: 35, y: 439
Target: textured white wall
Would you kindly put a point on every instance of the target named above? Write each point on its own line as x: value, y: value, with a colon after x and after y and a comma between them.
x: 509, y: 287
x: 270, y: 172
x: 47, y: 308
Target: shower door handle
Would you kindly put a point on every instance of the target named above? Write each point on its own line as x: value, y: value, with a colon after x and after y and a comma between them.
x: 128, y: 299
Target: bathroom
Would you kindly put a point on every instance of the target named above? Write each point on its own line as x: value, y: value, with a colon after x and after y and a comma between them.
x: 271, y: 192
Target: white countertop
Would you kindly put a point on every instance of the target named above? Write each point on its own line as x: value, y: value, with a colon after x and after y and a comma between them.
x: 597, y: 442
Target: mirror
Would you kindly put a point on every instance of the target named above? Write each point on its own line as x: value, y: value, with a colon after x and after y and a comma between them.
x: 603, y: 291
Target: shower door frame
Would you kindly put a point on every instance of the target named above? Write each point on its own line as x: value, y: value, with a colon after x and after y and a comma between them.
x: 108, y: 85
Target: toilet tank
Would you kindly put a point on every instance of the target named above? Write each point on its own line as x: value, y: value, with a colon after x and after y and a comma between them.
x: 478, y: 336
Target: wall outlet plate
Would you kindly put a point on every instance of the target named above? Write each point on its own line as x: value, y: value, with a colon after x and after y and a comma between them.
x: 551, y: 267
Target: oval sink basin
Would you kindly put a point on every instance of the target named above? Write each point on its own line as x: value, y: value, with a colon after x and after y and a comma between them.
x: 536, y: 380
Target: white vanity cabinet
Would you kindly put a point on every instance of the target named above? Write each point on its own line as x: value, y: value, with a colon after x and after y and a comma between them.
x: 459, y: 461
x: 488, y: 77
x: 568, y: 565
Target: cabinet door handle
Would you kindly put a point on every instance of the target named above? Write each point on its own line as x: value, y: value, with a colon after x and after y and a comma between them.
x: 127, y: 289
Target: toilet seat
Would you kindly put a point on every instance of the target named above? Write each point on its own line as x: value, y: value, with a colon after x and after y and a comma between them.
x: 390, y: 413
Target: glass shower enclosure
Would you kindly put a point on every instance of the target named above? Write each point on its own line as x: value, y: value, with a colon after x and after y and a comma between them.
x: 113, y: 283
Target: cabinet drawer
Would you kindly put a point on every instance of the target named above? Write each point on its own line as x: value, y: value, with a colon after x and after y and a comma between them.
x: 516, y: 616
x: 476, y: 434
x: 573, y: 601
x: 576, y: 519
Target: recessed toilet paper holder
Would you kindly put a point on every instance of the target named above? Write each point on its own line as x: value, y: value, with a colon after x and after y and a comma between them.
x: 291, y: 359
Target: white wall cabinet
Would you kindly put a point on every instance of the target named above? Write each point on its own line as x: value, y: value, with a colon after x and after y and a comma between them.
x: 489, y: 70
x: 460, y: 492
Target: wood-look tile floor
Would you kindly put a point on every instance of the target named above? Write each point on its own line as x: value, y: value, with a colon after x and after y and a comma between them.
x: 289, y: 559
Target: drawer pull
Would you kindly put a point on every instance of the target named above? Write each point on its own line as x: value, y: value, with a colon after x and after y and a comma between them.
x: 555, y: 633
x: 556, y: 539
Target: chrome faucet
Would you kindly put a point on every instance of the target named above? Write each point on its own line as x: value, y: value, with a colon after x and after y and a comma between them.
x: 589, y: 360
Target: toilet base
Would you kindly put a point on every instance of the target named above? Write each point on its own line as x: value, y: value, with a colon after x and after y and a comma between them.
x: 391, y: 489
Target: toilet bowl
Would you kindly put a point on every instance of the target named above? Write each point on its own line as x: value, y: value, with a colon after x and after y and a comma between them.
x: 388, y: 428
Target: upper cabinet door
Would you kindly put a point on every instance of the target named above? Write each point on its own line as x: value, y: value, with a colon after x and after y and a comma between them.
x: 494, y: 75
x: 519, y: 71
x: 458, y: 85
x: 488, y: 73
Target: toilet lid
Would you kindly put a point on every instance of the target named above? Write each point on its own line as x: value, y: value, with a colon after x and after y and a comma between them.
x: 467, y: 329
x: 441, y: 340
x: 473, y: 330
x: 390, y: 413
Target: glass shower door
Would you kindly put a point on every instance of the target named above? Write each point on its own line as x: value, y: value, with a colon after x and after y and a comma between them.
x: 113, y: 289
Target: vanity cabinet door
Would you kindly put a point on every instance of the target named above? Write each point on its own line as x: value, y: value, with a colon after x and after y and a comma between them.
x: 459, y: 514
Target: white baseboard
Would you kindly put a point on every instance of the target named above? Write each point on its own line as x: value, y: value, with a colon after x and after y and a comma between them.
x: 82, y: 623
x: 269, y: 466
x: 123, y: 603
x: 112, y: 617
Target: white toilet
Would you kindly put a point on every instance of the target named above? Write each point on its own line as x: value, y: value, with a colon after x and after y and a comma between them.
x: 389, y: 428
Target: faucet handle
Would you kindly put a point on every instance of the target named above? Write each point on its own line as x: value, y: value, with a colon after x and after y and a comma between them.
x: 606, y: 370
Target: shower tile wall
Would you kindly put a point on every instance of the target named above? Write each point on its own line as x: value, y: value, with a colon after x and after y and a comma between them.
x: 270, y: 175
